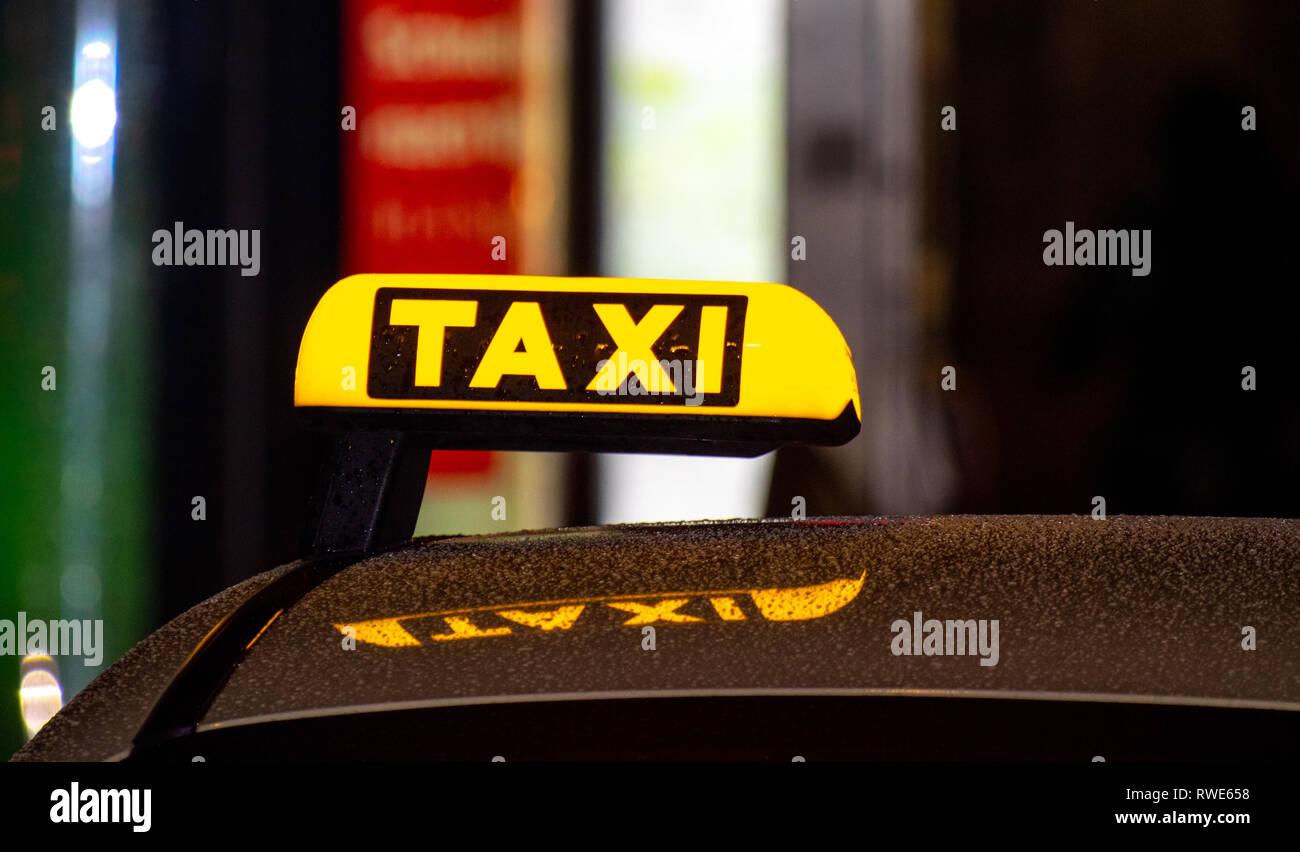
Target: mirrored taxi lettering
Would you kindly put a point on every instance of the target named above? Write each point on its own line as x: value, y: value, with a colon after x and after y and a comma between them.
x: 665, y: 610
x: 534, y: 346
x: 799, y: 603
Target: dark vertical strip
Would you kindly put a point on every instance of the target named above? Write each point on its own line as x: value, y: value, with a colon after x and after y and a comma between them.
x: 303, y: 136
x: 587, y: 148
x: 250, y: 91
x: 247, y: 133
x: 586, y: 182
x: 186, y: 133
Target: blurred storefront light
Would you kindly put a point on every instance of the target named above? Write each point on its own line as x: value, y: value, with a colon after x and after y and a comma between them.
x: 89, y: 316
x: 694, y: 188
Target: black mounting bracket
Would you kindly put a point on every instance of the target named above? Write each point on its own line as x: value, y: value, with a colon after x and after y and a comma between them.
x: 372, y: 496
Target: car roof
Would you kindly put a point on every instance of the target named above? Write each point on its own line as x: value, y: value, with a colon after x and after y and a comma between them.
x: 1123, y: 609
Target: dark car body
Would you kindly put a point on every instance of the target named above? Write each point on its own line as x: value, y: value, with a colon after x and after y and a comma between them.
x: 1129, y: 638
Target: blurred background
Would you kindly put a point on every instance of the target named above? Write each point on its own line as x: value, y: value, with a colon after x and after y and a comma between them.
x: 808, y: 142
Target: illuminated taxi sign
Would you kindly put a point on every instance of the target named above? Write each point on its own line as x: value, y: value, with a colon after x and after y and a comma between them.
x: 401, y: 364
x: 761, y: 363
x: 609, y: 348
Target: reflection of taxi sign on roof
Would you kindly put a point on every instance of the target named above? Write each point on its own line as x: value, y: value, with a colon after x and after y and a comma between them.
x: 799, y: 603
x: 588, y: 364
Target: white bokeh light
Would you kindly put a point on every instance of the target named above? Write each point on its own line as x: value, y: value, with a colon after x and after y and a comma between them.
x: 96, y: 50
x: 94, y: 113
x: 39, y: 694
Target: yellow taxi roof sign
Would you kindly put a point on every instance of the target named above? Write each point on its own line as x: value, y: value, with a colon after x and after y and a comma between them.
x: 527, y: 362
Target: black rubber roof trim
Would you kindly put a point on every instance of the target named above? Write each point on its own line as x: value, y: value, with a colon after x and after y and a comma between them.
x: 179, y: 709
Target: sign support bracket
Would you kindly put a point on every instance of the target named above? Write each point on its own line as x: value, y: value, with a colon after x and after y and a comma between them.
x: 372, y: 496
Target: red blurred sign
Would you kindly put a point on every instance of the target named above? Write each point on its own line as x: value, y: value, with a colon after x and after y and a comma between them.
x: 431, y: 171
